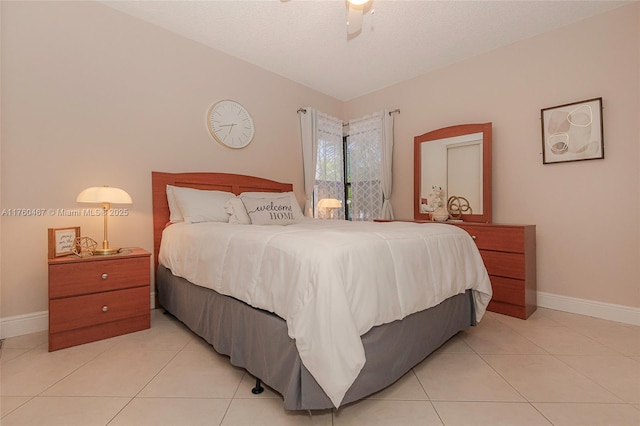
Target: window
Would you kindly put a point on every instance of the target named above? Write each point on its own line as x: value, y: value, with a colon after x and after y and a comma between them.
x: 355, y: 169
x: 329, y: 177
x: 347, y: 179
x: 364, y: 148
x: 348, y: 168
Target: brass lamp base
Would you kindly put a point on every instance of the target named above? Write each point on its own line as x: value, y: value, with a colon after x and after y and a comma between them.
x: 105, y: 251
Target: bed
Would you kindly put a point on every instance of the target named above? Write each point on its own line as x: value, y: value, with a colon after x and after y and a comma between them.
x: 275, y: 350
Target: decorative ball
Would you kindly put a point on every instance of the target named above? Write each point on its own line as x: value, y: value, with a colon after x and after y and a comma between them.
x: 85, y: 247
x: 440, y: 214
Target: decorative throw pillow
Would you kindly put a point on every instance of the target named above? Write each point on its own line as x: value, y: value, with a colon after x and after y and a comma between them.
x: 270, y: 210
x: 295, y: 207
x: 198, y: 205
x: 237, y: 213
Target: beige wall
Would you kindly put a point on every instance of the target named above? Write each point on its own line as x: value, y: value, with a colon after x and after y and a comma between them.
x: 587, y: 213
x: 92, y: 97
x: 0, y: 163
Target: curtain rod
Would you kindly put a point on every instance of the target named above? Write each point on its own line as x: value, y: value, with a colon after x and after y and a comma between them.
x: 304, y: 111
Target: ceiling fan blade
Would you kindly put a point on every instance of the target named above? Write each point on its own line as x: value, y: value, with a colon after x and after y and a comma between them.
x: 354, y: 19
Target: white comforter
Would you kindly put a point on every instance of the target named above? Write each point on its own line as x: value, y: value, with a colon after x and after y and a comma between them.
x: 330, y: 280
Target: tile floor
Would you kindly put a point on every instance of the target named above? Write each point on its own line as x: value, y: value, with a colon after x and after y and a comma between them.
x: 555, y: 368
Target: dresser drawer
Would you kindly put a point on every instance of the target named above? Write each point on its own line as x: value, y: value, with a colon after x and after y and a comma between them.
x: 517, y: 311
x: 508, y: 290
x: 83, y: 311
x: 510, y: 265
x: 500, y: 238
x: 71, y: 279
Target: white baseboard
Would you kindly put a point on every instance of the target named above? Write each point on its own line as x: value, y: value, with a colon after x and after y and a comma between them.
x: 39, y: 321
x: 608, y: 311
x: 34, y: 322
x: 24, y: 324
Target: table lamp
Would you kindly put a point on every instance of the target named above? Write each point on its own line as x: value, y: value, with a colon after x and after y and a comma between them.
x: 106, y: 196
x: 329, y: 204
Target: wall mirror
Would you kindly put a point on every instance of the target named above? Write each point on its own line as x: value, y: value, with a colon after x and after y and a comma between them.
x: 458, y: 160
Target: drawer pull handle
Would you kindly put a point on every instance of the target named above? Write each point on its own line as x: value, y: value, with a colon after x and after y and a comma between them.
x: 105, y: 308
x: 105, y: 276
x: 473, y: 237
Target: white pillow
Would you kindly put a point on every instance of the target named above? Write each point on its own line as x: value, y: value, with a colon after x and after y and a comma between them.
x: 270, y: 210
x: 238, y: 214
x: 175, y: 215
x: 295, y: 207
x: 198, y: 205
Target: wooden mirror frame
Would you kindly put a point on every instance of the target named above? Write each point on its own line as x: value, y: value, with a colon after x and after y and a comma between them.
x: 448, y: 132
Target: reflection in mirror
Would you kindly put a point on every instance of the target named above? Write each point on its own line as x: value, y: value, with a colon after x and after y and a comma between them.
x: 455, y: 165
x: 457, y: 161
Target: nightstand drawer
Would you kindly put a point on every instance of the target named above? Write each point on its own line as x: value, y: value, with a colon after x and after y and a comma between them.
x: 500, y: 238
x: 72, y: 279
x: 83, y: 311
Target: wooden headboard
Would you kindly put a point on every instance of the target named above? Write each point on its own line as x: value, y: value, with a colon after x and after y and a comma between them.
x: 200, y: 180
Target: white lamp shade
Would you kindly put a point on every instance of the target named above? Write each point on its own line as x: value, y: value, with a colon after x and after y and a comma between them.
x: 358, y: 2
x: 104, y: 194
x: 329, y: 203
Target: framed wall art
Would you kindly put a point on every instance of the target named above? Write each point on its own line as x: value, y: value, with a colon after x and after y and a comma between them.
x: 62, y: 241
x: 572, y: 132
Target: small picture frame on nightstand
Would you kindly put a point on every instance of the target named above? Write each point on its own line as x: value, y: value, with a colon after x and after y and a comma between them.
x: 62, y: 241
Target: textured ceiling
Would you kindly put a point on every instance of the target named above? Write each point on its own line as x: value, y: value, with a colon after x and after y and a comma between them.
x: 306, y: 40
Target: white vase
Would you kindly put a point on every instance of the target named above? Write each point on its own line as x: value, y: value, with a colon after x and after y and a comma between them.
x: 440, y: 214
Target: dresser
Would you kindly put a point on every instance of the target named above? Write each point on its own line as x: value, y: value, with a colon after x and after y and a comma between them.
x: 97, y: 297
x: 509, y: 254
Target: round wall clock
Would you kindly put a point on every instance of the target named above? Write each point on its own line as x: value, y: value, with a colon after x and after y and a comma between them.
x: 230, y: 124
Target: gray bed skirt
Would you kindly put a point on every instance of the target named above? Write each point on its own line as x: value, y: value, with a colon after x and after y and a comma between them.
x: 257, y: 340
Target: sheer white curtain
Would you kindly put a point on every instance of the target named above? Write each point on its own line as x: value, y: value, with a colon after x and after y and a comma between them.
x: 370, y: 147
x: 322, y: 151
x: 309, y: 136
x: 386, y: 176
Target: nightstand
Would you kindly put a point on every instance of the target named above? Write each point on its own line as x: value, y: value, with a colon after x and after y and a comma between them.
x: 97, y: 297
